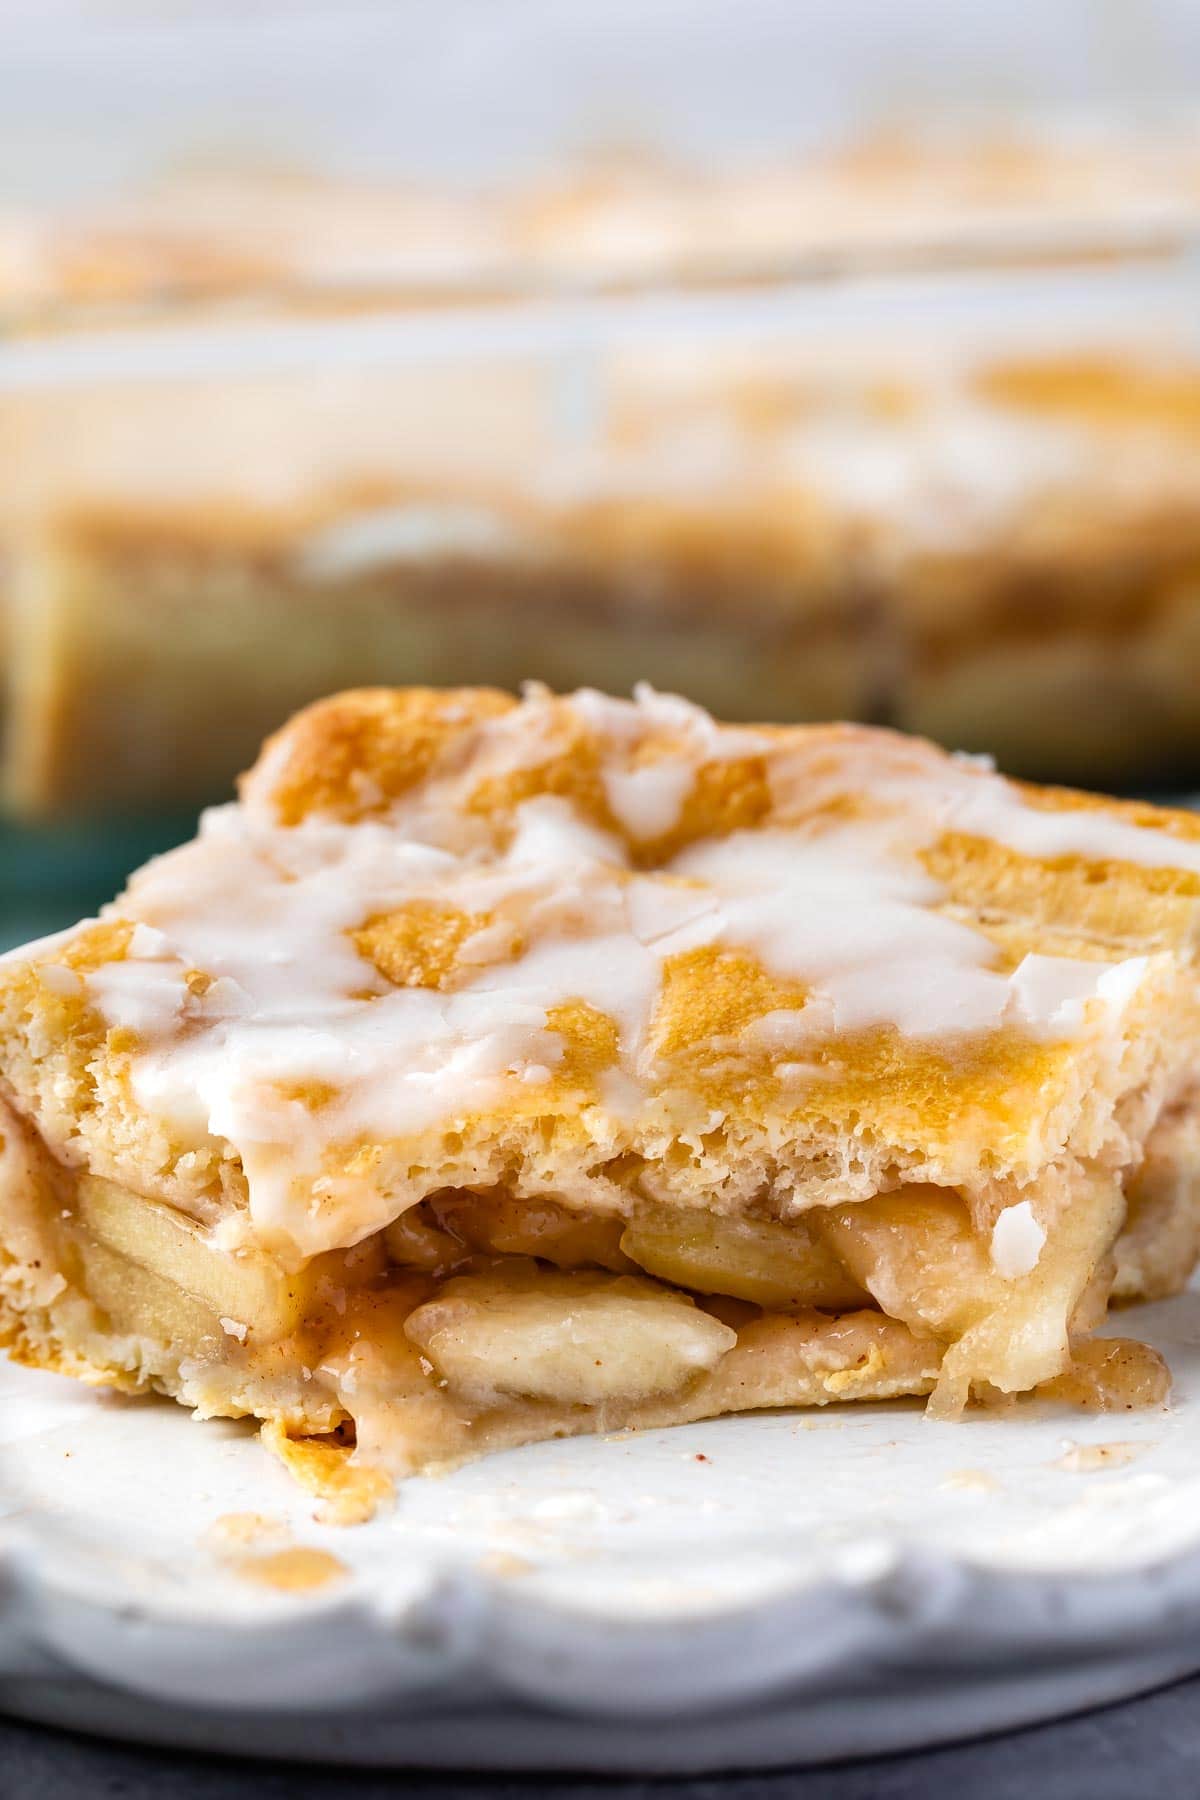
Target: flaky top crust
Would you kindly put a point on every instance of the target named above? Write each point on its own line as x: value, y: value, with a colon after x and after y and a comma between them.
x: 594, y: 948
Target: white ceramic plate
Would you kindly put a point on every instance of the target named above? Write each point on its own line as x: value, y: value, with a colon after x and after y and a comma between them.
x: 747, y: 1592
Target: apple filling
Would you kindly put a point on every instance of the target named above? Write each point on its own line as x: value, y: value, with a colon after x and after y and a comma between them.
x: 477, y: 1321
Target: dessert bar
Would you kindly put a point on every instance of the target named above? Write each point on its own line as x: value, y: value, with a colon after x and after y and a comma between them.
x: 500, y: 1070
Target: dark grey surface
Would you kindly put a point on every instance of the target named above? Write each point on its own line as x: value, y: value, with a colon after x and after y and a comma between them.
x: 1146, y: 1747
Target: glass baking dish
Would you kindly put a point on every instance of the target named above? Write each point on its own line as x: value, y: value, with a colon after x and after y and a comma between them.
x: 813, y: 372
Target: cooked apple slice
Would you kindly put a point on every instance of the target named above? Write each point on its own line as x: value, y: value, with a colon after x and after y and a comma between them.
x: 780, y: 1267
x: 916, y: 1252
x: 543, y: 1228
x: 145, y: 1305
x: 242, y: 1286
x: 577, y: 1337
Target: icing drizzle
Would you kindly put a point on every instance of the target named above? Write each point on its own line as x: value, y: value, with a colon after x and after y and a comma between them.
x: 824, y: 896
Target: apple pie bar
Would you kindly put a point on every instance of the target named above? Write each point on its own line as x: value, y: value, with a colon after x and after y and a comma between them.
x: 499, y: 1070
x: 1000, y: 554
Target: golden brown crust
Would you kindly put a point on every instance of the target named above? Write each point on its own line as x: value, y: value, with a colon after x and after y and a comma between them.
x: 916, y: 1103
x: 357, y: 754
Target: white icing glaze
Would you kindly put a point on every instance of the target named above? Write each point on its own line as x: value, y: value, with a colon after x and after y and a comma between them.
x: 551, y: 836
x: 958, y: 470
x: 955, y: 470
x: 991, y: 810
x: 1017, y: 1241
x: 844, y: 909
x: 62, y: 980
x: 419, y: 531
x: 646, y: 801
x: 43, y: 946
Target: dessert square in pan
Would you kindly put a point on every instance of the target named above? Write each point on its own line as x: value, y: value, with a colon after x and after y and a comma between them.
x: 152, y: 647
x: 1000, y: 555
x: 496, y: 1070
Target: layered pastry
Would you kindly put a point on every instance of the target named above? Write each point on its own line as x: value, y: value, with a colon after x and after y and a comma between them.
x: 1001, y: 554
x: 495, y: 1071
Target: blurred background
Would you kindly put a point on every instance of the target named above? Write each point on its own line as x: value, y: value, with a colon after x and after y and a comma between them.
x: 813, y: 360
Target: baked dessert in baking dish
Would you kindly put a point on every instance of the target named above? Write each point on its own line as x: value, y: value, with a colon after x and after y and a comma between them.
x: 127, y: 619
x: 1025, y: 527
x: 1062, y: 633
x: 495, y: 1071
x: 998, y: 554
